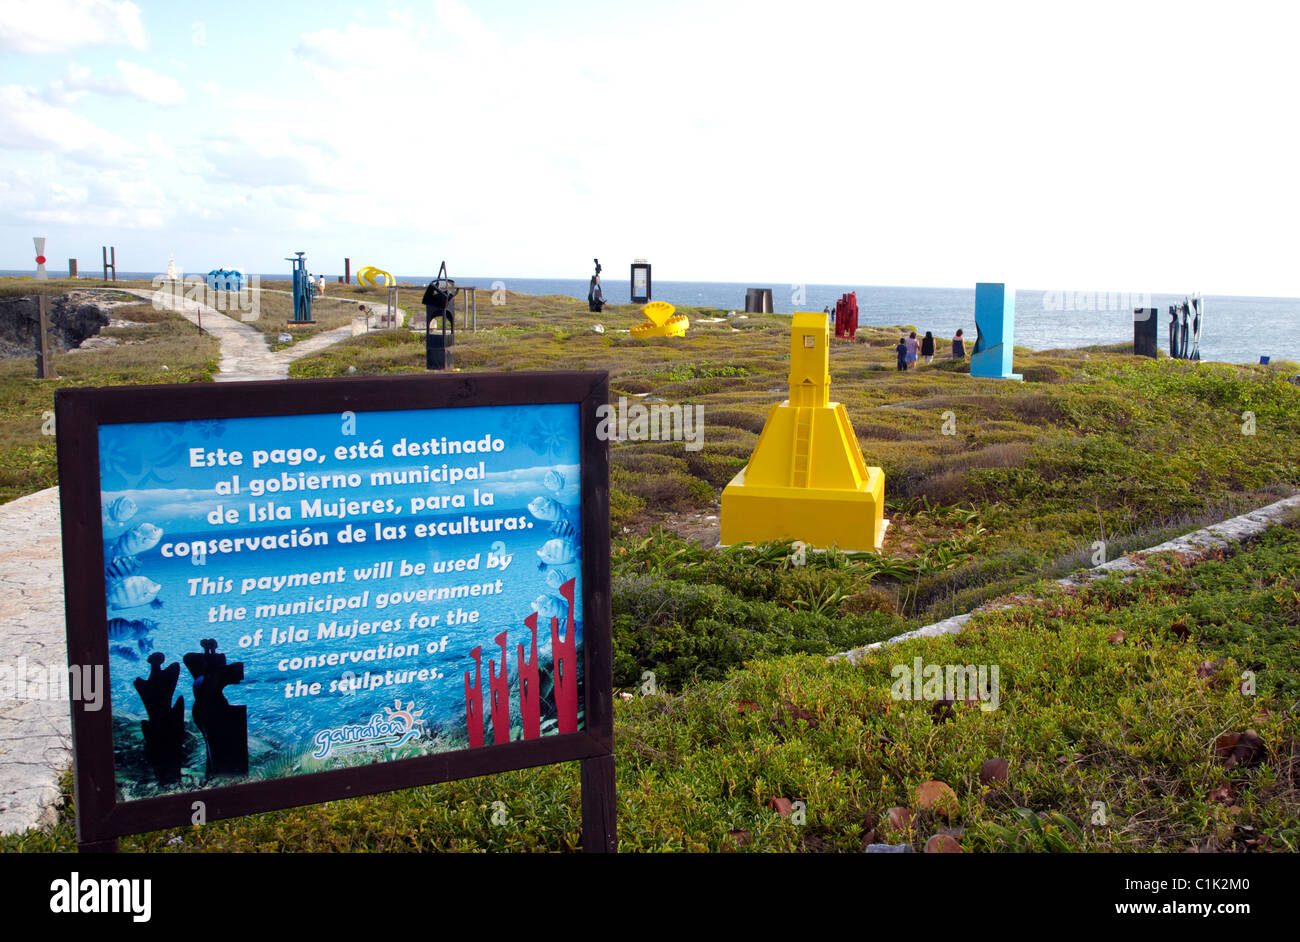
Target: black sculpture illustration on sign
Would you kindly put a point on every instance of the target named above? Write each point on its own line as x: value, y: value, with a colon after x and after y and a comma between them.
x: 224, y: 727
x: 164, y: 730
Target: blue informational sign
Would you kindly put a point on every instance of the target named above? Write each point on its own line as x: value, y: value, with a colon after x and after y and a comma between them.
x: 292, y: 594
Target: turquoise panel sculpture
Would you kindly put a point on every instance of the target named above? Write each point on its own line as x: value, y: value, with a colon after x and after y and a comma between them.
x: 995, y: 331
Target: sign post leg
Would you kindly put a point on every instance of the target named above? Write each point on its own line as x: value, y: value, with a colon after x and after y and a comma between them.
x: 44, y: 355
x: 599, y: 820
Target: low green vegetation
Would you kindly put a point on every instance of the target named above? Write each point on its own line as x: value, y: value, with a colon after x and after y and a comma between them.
x: 1130, y: 717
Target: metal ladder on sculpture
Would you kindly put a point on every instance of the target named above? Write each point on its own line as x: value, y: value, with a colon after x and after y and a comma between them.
x: 801, y: 466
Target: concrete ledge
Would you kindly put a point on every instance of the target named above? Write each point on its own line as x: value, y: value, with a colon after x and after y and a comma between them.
x: 1195, y: 545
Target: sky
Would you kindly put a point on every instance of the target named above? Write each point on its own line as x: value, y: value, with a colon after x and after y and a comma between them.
x: 1136, y: 146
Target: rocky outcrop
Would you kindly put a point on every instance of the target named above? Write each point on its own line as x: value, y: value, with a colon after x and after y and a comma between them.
x: 73, y: 318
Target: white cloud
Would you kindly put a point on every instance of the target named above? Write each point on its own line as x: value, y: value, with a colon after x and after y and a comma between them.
x: 54, y: 26
x: 134, y: 81
x: 28, y: 123
x: 83, y: 197
x: 355, y: 48
x: 148, y: 85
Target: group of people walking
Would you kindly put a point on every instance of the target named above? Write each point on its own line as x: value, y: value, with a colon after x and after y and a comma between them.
x: 909, y: 348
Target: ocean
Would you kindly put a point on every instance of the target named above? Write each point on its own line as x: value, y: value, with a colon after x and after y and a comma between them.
x: 1234, y: 329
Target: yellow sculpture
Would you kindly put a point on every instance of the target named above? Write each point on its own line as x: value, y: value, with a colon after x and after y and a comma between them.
x: 368, y: 275
x: 807, y: 479
x: 660, y: 321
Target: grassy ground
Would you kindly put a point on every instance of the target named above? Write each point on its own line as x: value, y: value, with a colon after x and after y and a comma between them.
x: 275, y: 313
x: 165, y: 348
x: 991, y: 487
x: 1119, y: 708
x: 26, y: 287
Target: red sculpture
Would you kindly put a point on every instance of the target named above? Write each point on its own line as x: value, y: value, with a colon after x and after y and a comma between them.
x: 846, y: 316
x: 565, y: 660
x: 529, y: 703
x: 474, y: 700
x: 499, y: 684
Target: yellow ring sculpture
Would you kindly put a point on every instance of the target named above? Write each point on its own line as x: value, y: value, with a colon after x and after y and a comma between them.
x: 660, y: 321
x: 367, y: 276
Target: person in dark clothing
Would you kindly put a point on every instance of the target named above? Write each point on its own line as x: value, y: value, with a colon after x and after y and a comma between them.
x: 927, y: 347
x: 958, y: 346
x: 901, y: 350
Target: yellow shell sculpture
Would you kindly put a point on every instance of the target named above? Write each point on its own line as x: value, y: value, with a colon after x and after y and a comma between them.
x: 660, y: 321
x: 369, y: 274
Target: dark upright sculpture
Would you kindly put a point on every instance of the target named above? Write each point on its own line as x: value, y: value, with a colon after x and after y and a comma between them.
x: 1145, y: 341
x: 224, y: 727
x: 164, y: 730
x: 595, y: 297
x: 440, y: 302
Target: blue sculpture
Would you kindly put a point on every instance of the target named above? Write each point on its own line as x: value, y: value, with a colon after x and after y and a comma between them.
x: 995, y: 327
x: 223, y: 279
x: 301, y: 290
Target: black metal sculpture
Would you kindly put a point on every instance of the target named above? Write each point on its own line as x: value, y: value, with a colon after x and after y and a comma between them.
x: 224, y: 727
x: 1146, y: 336
x: 1185, y: 339
x: 595, y: 297
x: 440, y: 302
x: 164, y: 730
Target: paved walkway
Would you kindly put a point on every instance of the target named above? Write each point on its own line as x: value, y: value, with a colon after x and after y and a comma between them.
x: 35, y: 733
x: 244, y: 351
x: 35, y: 729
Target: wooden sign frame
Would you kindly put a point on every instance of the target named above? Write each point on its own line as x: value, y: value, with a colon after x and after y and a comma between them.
x: 80, y: 412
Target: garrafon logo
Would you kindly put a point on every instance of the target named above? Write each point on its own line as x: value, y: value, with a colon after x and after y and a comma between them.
x: 395, y: 729
x: 75, y: 895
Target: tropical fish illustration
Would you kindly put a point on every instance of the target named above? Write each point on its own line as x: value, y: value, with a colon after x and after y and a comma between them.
x: 133, y: 591
x: 558, y: 552
x: 554, y: 481
x: 545, y: 508
x: 129, y: 629
x: 556, y: 578
x: 120, y: 510
x: 562, y: 529
x: 550, y: 606
x: 138, y: 539
x: 124, y: 650
x: 121, y: 567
